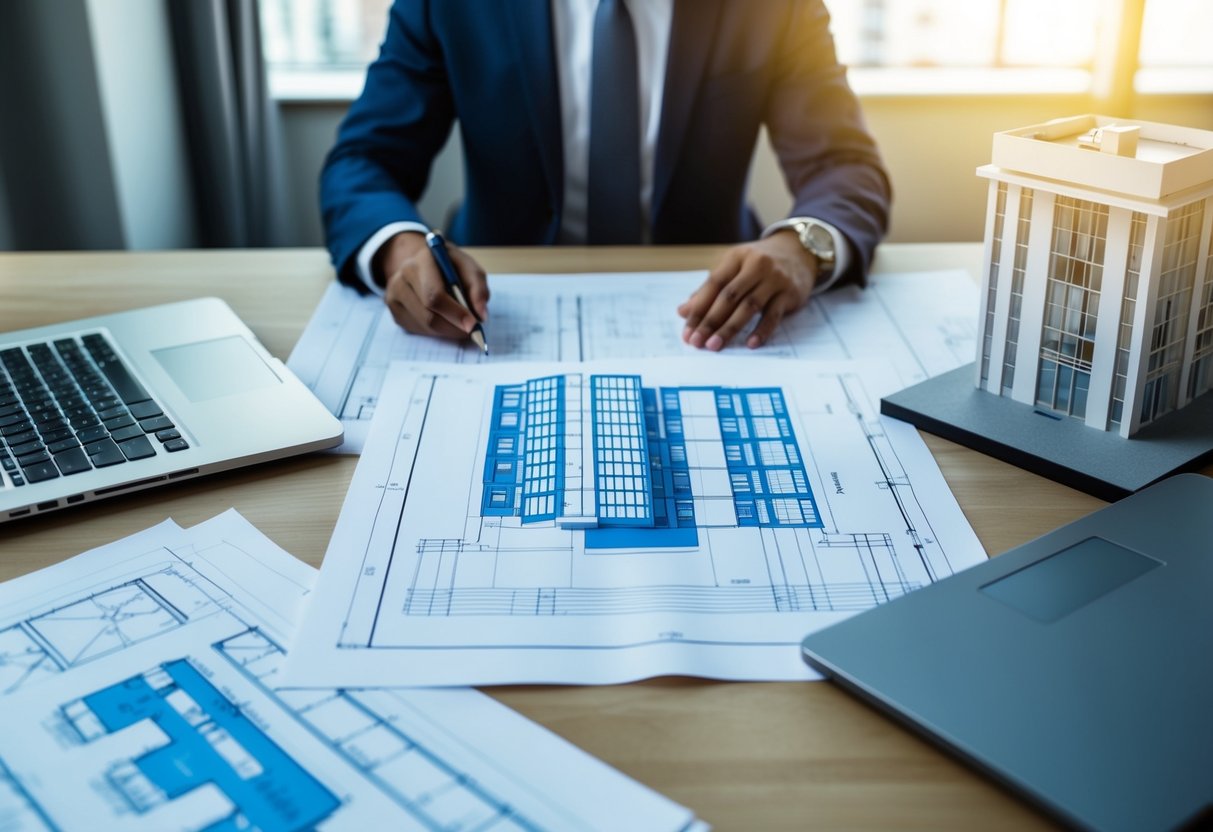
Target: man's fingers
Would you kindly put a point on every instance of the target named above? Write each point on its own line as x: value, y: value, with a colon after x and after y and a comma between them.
x: 754, y: 303
x: 434, y: 303
x: 475, y: 282
x: 771, y: 316
x: 735, y: 299
x: 696, y: 306
x: 437, y: 313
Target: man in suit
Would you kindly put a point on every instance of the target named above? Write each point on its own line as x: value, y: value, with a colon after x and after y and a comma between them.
x: 605, y: 122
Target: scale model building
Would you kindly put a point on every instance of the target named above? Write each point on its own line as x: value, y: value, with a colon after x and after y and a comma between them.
x: 1097, y: 302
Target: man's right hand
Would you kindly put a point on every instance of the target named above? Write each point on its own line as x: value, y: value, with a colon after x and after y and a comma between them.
x: 416, y: 293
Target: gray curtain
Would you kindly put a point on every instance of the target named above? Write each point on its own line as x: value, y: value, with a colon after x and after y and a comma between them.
x: 231, y: 123
x: 56, y: 187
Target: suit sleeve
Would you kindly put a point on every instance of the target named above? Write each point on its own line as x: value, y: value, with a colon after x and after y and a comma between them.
x: 379, y: 166
x: 829, y: 159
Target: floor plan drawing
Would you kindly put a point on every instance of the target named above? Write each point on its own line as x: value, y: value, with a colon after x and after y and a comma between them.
x: 584, y: 523
x: 921, y: 323
x: 165, y: 711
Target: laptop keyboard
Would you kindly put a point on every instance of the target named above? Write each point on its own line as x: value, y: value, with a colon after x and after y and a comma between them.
x: 71, y: 405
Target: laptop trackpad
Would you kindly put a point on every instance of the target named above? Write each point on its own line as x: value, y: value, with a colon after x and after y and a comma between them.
x: 208, y: 370
x: 1055, y: 586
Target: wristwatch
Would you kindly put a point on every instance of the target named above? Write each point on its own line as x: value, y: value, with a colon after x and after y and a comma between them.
x: 819, y: 242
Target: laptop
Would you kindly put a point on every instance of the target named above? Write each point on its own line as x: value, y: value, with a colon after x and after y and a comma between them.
x: 117, y: 403
x: 1076, y: 669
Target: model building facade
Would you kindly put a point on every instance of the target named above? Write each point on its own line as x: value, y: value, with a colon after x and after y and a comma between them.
x: 1097, y: 301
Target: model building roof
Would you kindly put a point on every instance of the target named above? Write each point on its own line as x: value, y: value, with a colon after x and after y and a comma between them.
x: 1135, y: 158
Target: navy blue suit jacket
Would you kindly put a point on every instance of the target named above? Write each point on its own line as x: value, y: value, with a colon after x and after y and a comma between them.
x: 490, y: 65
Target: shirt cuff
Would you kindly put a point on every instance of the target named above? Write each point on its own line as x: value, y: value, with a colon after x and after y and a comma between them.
x: 366, y: 254
x: 842, y: 248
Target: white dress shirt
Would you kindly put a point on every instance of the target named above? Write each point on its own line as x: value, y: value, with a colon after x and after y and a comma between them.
x: 573, y: 30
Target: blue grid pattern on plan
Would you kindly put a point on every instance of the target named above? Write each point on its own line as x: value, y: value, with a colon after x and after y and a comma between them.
x: 504, y: 453
x: 543, y: 450
x: 622, y: 486
x: 210, y: 741
x: 673, y: 509
x: 766, y: 470
x: 524, y: 463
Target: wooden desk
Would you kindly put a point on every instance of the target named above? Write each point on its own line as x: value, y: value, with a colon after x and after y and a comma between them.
x: 744, y: 756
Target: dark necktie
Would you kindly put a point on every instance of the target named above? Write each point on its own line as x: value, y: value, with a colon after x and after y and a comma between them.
x: 613, y: 198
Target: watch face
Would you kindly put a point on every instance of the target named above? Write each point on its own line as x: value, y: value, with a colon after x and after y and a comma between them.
x: 820, y: 241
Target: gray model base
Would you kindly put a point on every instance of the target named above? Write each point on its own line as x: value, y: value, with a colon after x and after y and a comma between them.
x: 1099, y: 463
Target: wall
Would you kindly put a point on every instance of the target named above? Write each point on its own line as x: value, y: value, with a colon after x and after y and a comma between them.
x: 931, y: 144
x: 137, y: 82
x: 57, y: 177
x: 7, y: 242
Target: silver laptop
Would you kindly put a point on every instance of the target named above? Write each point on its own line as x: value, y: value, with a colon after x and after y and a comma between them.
x: 108, y: 405
x: 1076, y: 669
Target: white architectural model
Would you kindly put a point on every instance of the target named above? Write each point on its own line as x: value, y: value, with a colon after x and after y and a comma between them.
x: 1098, y: 292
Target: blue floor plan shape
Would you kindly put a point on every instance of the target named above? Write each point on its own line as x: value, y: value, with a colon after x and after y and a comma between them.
x: 211, y: 741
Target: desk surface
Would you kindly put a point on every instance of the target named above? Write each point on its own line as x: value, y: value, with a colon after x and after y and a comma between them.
x: 742, y: 755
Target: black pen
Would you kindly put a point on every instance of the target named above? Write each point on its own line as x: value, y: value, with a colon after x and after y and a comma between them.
x: 454, y: 287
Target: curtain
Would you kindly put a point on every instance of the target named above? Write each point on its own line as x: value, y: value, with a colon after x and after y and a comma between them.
x: 231, y: 124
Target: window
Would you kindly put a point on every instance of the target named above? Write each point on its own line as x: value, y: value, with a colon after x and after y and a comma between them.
x: 319, y: 48
x: 1072, y: 298
x: 1174, y: 54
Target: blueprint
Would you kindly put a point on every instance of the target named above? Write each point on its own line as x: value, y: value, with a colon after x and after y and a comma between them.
x: 591, y: 523
x: 922, y: 323
x: 141, y: 691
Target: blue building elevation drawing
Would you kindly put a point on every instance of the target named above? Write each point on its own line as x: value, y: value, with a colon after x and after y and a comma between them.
x: 526, y: 451
x: 766, y: 471
x: 642, y: 478
x: 210, y: 741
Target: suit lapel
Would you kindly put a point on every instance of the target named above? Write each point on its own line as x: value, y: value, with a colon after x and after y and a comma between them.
x: 530, y: 24
x: 692, y: 34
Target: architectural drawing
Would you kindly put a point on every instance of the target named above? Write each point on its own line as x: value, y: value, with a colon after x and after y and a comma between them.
x: 22, y: 659
x: 210, y: 742
x: 18, y: 811
x: 588, y: 508
x: 922, y: 323
x: 164, y: 711
x: 1097, y: 302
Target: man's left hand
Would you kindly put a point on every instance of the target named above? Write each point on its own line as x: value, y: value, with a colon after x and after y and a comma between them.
x: 769, y: 278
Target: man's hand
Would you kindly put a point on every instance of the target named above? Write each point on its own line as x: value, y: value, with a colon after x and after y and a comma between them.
x: 416, y: 293
x: 769, y: 278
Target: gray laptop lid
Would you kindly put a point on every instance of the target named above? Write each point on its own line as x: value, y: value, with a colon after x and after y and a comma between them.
x: 1077, y: 668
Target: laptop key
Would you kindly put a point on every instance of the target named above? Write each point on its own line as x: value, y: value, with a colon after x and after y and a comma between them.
x: 14, y: 419
x: 166, y: 435
x: 129, y: 390
x: 16, y: 408
x: 105, y: 453
x: 129, y: 432
x: 111, y: 413
x: 26, y: 448
x: 73, y: 461
x: 62, y: 445
x: 118, y: 422
x: 85, y: 421
x: 7, y: 462
x: 40, y: 471
x: 33, y: 459
x: 21, y: 438
x: 17, y: 480
x: 145, y: 410
x: 59, y: 435
x: 92, y: 434
x: 174, y: 445
x: 137, y: 448
x: 158, y: 423
x: 16, y: 427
